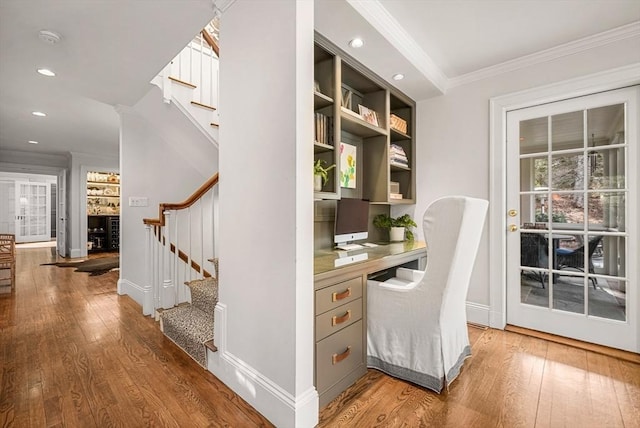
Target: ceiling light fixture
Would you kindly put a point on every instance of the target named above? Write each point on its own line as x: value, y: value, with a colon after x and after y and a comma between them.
x: 32, y: 142
x: 356, y: 43
x: 46, y: 72
x: 49, y: 37
x: 38, y: 113
x: 398, y: 76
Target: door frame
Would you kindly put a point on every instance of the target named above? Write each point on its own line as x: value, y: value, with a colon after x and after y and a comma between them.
x: 498, y: 108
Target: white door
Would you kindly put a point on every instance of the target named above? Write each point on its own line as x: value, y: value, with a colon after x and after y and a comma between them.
x: 33, y: 212
x: 61, y: 214
x: 572, y: 199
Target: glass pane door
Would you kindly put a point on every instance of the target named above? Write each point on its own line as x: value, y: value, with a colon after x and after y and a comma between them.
x: 568, y: 242
x: 33, y: 220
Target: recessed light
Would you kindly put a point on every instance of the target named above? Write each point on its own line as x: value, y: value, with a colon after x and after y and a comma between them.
x: 46, y: 72
x: 398, y: 76
x: 32, y: 142
x: 38, y: 113
x: 49, y: 37
x: 356, y: 43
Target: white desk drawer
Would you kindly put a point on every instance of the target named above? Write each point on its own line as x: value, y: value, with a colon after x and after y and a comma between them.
x: 338, y: 318
x: 338, y: 294
x: 338, y: 354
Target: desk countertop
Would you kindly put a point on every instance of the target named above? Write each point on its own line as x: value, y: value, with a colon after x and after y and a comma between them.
x: 330, y: 260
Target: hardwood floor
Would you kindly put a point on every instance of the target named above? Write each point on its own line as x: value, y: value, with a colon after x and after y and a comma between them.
x: 73, y: 353
x: 511, y: 380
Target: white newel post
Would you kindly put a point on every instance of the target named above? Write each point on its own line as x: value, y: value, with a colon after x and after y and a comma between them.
x: 154, y: 268
x: 148, y: 305
x: 176, y: 258
x: 169, y: 292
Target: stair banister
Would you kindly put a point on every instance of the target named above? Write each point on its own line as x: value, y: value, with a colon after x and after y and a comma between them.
x: 169, y: 267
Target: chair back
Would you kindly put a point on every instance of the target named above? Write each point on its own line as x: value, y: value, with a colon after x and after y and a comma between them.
x: 534, y: 250
x: 452, y: 229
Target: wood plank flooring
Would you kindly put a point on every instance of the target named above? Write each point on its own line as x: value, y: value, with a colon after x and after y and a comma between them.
x: 511, y: 380
x: 75, y: 354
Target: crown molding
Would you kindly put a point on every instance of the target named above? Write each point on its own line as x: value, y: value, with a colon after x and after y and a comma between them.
x: 390, y: 29
x: 621, y: 33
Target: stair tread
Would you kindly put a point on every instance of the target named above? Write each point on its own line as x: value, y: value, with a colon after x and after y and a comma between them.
x: 203, y: 105
x: 182, y: 82
x: 209, y: 345
x: 189, y: 328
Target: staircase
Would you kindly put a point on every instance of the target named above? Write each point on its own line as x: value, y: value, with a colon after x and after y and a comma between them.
x: 184, y: 292
x: 190, y: 326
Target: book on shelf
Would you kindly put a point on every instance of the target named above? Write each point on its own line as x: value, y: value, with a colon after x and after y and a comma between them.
x: 323, y: 129
x: 395, y: 195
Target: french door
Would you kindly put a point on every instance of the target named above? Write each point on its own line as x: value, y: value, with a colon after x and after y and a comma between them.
x: 33, y: 212
x: 572, y: 219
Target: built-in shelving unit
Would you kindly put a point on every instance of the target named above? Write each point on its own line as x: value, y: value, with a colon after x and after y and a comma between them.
x: 365, y: 112
x: 103, y: 210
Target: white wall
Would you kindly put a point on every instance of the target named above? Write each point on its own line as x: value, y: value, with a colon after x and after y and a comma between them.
x: 264, y: 322
x: 453, y: 136
x: 163, y: 162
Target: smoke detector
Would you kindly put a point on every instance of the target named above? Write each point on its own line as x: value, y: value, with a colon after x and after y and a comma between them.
x: 49, y: 37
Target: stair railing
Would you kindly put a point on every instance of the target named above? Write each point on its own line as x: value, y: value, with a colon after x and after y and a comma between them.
x: 180, y: 243
x: 196, y: 66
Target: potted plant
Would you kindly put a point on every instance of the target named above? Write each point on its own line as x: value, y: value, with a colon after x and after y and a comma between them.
x: 399, y: 228
x: 320, y: 174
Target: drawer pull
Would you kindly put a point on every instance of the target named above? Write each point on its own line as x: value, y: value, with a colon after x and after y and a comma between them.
x: 339, y: 296
x: 339, y: 320
x: 336, y: 358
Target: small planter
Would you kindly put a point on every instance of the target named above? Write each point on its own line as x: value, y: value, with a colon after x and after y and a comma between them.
x: 317, y: 183
x: 396, y: 234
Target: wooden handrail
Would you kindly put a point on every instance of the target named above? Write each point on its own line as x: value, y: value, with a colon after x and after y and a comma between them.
x: 182, y: 205
x: 211, y: 42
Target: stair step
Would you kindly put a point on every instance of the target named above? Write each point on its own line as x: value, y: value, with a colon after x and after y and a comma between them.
x: 209, y: 345
x: 189, y: 328
x: 204, y: 294
x: 215, y: 125
x: 182, y: 82
x: 207, y: 106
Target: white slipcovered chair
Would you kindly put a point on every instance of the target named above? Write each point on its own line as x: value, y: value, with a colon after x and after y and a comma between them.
x: 416, y: 322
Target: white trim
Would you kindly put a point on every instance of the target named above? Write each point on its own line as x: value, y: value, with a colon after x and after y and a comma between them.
x: 607, y: 80
x: 477, y: 313
x: 376, y: 14
x: 222, y: 5
x: 266, y: 396
x: 576, y: 46
x: 141, y: 295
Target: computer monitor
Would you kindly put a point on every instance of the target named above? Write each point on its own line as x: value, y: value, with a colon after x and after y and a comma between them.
x: 351, y: 221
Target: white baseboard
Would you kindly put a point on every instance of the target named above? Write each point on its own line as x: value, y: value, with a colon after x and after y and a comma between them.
x: 75, y: 253
x: 279, y: 406
x: 141, y: 295
x: 478, y: 314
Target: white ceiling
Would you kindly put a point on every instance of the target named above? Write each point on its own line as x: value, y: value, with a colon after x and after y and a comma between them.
x: 111, y: 49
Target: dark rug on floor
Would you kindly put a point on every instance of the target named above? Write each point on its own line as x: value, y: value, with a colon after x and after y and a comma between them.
x: 93, y: 266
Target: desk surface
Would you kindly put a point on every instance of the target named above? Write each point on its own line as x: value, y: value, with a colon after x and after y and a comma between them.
x: 332, y: 260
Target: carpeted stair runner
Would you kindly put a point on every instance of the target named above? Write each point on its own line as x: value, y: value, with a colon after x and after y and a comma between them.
x: 190, y: 326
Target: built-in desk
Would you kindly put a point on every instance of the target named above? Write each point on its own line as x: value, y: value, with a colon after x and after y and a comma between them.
x: 340, y: 281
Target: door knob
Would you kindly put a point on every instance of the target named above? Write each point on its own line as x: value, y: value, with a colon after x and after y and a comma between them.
x: 513, y: 228
x: 513, y: 213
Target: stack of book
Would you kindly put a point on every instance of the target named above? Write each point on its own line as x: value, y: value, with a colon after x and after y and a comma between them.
x: 397, y: 156
x: 323, y: 129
